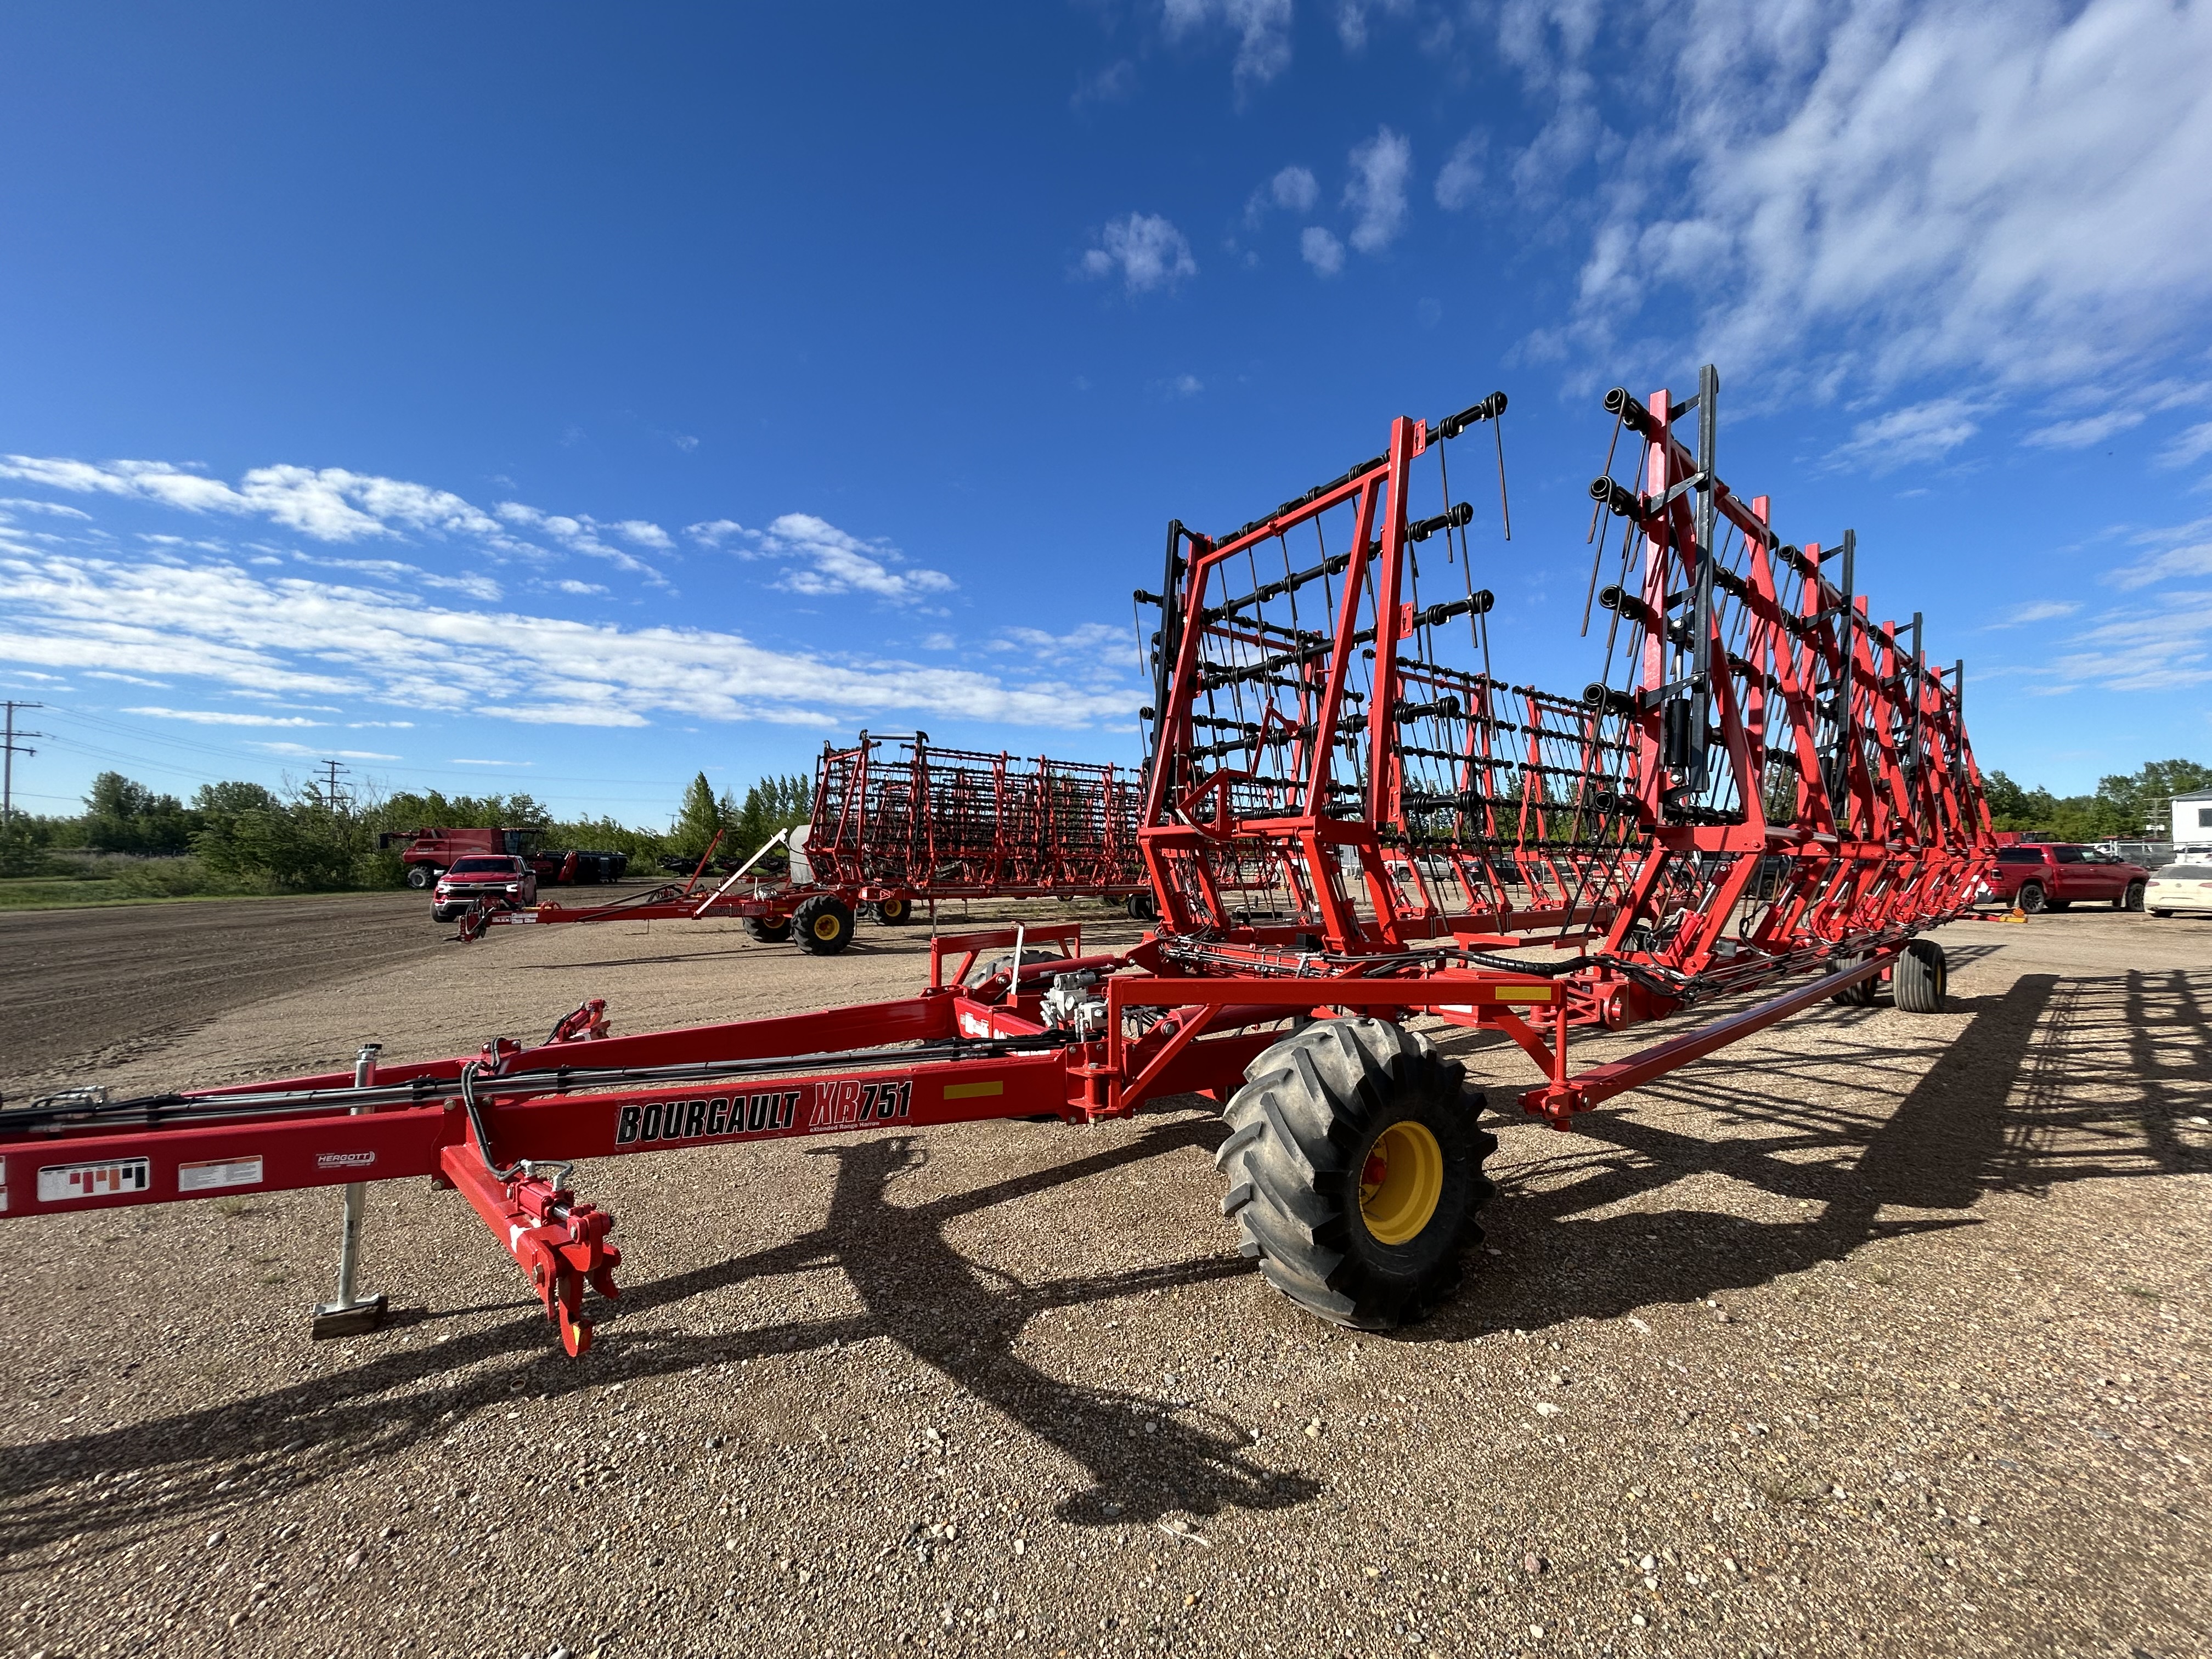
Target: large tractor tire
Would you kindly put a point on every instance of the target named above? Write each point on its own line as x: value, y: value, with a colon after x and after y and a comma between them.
x: 824, y: 925
x: 767, y: 932
x: 1142, y: 907
x: 894, y: 911
x: 420, y: 876
x: 1917, y: 982
x: 1354, y: 1164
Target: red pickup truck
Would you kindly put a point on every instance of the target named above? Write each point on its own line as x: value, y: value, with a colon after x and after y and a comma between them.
x: 2052, y: 875
x: 499, y: 880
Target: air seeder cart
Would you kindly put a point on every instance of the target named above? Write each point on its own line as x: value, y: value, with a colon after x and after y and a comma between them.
x: 1349, y: 821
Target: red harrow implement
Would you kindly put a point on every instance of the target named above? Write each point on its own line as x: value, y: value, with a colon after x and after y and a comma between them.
x: 1349, y: 821
x: 895, y: 825
x: 916, y: 825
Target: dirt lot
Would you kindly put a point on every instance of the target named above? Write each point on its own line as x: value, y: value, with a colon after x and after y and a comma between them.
x: 1875, y: 1335
x: 119, y: 980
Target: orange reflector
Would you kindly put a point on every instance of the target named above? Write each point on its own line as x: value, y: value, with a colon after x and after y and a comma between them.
x: 973, y: 1091
x: 1524, y: 993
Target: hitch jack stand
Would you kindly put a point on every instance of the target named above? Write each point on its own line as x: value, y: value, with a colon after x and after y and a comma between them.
x: 352, y: 1315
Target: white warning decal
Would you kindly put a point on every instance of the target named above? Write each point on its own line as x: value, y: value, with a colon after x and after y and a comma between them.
x: 206, y: 1177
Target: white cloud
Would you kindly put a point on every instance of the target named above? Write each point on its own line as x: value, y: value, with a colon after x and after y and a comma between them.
x: 570, y: 584
x: 1352, y: 20
x: 1905, y: 437
x: 301, y: 750
x: 475, y: 585
x: 1092, y: 654
x: 1109, y: 86
x: 938, y: 642
x: 127, y: 679
x: 2037, y: 610
x: 52, y: 509
x: 1148, y: 252
x: 1294, y: 187
x: 2080, y: 434
x: 1262, y: 28
x: 1186, y: 385
x: 821, y: 560
x: 579, y: 534
x: 246, y: 631
x: 1459, y: 181
x: 2183, y: 550
x: 1320, y: 250
x: 333, y: 505
x: 223, y: 717
x: 643, y: 534
x: 1376, y: 190
x: 1860, y: 192
x: 2191, y: 446
x: 714, y: 531
x: 2160, y: 650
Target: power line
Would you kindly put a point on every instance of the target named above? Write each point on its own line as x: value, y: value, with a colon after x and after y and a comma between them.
x: 9, y: 749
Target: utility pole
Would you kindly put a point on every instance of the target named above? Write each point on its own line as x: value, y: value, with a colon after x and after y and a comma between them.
x: 9, y: 749
x: 330, y: 787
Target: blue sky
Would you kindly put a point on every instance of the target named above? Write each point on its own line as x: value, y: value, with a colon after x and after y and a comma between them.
x: 571, y: 397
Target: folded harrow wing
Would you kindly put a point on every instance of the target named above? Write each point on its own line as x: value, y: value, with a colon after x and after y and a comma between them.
x: 897, y: 826
x: 902, y: 819
x: 1348, y: 820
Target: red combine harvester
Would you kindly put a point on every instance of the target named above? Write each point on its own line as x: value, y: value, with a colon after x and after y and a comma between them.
x: 1349, y: 822
x: 893, y: 828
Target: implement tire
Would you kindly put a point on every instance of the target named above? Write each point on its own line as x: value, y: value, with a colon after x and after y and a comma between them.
x: 767, y: 932
x: 894, y: 911
x: 1354, y: 1163
x: 1917, y: 982
x: 1861, y: 995
x: 824, y: 925
x: 1142, y: 907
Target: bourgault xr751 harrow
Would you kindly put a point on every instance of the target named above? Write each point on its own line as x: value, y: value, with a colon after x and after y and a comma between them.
x: 916, y: 824
x: 1349, y: 822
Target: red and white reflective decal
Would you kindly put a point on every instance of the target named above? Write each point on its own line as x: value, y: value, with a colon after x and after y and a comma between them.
x: 60, y: 1182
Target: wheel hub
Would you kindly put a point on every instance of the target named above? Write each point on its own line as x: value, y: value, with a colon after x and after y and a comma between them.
x: 1401, y: 1182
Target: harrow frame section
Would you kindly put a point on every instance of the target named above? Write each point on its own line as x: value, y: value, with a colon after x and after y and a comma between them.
x: 901, y: 817
x: 1768, y: 785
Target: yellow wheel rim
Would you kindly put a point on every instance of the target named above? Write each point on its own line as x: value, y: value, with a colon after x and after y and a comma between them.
x: 892, y: 910
x: 1400, y: 1183
x: 825, y: 925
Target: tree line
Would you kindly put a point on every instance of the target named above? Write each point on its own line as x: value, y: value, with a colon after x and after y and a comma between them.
x: 245, y: 837
x: 2125, y: 805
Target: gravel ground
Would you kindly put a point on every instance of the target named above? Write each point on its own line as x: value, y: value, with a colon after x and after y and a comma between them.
x: 1874, y: 1334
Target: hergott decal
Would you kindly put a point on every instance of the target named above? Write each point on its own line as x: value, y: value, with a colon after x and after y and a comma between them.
x: 706, y: 1117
